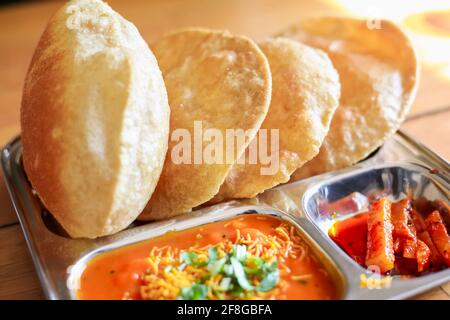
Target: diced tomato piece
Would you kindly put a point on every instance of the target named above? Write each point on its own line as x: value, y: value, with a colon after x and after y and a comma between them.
x: 352, y: 203
x: 423, y: 256
x: 405, y: 221
x: 426, y: 207
x: 439, y: 235
x: 409, y: 248
x: 437, y: 261
x: 405, y: 238
x: 405, y: 266
x: 380, y: 244
x: 444, y: 210
x: 418, y: 221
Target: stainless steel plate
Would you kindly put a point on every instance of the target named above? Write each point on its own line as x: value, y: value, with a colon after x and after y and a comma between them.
x: 59, y: 259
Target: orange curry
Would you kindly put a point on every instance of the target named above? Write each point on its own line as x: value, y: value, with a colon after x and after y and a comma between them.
x: 247, y: 257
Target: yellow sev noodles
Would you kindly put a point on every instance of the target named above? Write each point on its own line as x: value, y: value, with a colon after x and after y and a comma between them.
x: 160, y: 283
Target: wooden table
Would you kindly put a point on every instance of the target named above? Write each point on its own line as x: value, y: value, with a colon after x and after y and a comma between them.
x: 21, y: 26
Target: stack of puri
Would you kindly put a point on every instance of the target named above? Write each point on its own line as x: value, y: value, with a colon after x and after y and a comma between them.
x: 102, y: 113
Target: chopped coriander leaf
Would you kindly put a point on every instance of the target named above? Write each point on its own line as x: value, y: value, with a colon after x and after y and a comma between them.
x: 252, y: 271
x: 255, y: 261
x: 212, y: 254
x: 225, y: 284
x: 237, y: 292
x: 269, y: 282
x: 198, y: 263
x: 272, y: 267
x: 228, y: 269
x: 191, y: 258
x: 196, y: 292
x: 220, y: 296
x: 188, y: 257
x: 240, y: 252
x: 240, y: 275
x: 216, y: 266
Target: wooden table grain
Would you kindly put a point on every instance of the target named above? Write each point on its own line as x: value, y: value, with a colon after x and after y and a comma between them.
x: 20, y: 28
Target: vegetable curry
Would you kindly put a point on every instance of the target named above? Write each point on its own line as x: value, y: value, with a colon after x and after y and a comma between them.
x: 247, y: 257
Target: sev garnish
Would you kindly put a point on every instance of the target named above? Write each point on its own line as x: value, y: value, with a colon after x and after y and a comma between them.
x: 248, y: 268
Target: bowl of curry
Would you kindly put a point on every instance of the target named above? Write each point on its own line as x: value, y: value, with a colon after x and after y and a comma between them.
x: 250, y: 256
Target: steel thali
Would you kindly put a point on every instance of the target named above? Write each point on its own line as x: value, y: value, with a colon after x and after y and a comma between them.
x: 400, y: 166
